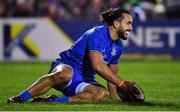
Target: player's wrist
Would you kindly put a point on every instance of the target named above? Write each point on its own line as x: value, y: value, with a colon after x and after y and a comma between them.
x: 121, y: 83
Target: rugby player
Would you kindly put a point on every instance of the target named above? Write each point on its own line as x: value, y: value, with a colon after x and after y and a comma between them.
x: 97, y: 51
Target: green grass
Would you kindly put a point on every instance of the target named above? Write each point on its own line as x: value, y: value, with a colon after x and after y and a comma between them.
x: 159, y: 80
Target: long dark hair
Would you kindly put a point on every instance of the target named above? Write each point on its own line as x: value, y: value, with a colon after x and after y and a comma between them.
x: 112, y: 14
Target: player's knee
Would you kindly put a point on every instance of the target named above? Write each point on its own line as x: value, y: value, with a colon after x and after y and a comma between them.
x: 102, y: 95
x: 62, y: 77
x: 67, y: 76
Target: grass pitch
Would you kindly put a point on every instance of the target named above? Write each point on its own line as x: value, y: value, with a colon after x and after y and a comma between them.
x: 159, y: 80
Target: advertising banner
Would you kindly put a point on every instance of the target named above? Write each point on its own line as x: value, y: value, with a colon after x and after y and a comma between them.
x: 43, y: 39
x: 31, y: 39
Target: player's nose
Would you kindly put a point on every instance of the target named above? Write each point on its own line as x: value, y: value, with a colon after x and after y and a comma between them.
x: 130, y: 28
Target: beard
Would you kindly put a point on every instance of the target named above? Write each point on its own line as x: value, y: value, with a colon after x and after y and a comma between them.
x: 122, y: 35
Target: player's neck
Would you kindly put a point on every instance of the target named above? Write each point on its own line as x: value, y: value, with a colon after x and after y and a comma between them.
x: 113, y: 33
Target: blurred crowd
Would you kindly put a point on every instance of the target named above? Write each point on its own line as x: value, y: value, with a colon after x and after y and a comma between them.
x: 142, y: 10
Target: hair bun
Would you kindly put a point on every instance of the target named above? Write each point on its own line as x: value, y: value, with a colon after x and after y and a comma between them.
x: 112, y: 14
x: 106, y: 16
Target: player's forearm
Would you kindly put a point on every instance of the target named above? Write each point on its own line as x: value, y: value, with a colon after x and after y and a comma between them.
x: 103, y: 70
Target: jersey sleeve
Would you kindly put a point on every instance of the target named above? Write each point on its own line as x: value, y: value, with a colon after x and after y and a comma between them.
x: 95, y: 43
x: 115, y: 60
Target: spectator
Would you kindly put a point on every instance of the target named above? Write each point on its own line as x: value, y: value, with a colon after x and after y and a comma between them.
x: 21, y: 9
x: 137, y: 12
x: 94, y: 9
x: 159, y: 10
x: 2, y: 10
x: 173, y: 7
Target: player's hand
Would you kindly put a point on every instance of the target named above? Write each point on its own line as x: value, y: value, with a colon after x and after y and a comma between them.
x: 125, y: 86
x: 130, y: 92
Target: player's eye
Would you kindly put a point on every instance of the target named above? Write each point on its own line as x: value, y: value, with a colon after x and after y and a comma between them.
x: 129, y: 23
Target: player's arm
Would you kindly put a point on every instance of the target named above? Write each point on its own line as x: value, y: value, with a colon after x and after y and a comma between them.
x: 111, y: 86
x: 102, y: 69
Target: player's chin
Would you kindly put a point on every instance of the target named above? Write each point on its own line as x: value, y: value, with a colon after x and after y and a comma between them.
x: 124, y: 37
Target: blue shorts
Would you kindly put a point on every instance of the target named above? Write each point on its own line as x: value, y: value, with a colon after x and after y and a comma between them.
x: 77, y: 83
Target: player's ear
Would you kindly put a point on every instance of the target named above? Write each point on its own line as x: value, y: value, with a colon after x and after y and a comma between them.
x: 116, y: 24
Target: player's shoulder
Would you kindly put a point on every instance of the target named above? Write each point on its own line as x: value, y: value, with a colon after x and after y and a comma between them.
x: 97, y: 30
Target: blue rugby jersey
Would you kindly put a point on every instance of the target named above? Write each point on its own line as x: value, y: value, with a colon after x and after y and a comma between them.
x: 96, y: 39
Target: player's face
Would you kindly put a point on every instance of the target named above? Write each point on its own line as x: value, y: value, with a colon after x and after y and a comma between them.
x: 125, y: 26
